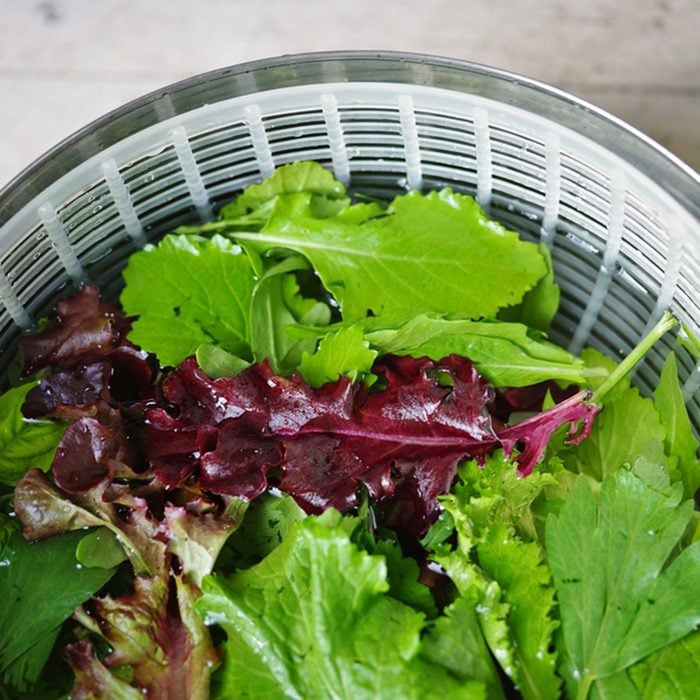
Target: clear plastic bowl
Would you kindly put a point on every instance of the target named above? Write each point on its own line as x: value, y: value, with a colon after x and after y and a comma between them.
x: 620, y: 214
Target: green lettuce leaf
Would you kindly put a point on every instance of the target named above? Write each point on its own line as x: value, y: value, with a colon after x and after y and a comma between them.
x: 187, y: 291
x: 313, y: 620
x: 304, y: 176
x: 41, y: 584
x: 680, y: 442
x: 622, y: 595
x: 435, y: 252
x: 217, y: 362
x: 24, y: 443
x: 455, y: 641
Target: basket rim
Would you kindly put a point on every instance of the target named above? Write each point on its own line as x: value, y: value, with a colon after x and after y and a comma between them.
x: 609, y: 131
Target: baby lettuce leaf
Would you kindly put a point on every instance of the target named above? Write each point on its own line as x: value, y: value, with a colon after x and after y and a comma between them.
x: 24, y: 443
x: 155, y: 633
x: 506, y: 574
x: 507, y: 354
x: 540, y: 304
x: 436, y: 252
x: 456, y: 642
x: 304, y: 176
x: 679, y: 441
x: 622, y: 593
x: 186, y: 291
x: 344, y: 352
x: 313, y: 619
x: 41, y: 584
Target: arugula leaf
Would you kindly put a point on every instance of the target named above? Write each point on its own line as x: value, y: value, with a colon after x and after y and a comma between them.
x: 344, y: 352
x: 312, y: 619
x: 680, y: 441
x: 277, y: 304
x: 41, y: 584
x: 621, y: 594
x: 397, y: 263
x: 189, y: 290
x: 24, y: 443
x: 507, y: 354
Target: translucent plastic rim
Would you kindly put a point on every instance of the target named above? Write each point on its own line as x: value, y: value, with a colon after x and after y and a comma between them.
x: 678, y: 179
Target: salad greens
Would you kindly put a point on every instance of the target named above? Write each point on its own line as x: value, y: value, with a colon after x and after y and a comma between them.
x: 326, y: 449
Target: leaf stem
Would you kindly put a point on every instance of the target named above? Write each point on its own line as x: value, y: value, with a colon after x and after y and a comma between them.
x: 585, y: 687
x: 667, y: 322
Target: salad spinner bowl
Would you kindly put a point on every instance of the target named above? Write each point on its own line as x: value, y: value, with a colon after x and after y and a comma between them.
x: 620, y: 215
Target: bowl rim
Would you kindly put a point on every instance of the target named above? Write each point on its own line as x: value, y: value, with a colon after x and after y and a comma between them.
x: 609, y: 131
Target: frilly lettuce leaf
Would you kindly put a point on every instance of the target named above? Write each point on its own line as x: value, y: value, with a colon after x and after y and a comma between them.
x: 313, y: 619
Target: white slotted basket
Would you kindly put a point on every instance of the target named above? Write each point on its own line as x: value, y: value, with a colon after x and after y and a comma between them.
x: 620, y: 215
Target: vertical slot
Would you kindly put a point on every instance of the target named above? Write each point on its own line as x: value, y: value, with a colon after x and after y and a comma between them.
x: 62, y: 245
x: 409, y: 133
x: 336, y: 139
x: 261, y: 144
x: 190, y: 169
x: 122, y: 201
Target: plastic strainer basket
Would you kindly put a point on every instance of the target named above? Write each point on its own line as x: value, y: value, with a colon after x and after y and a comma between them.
x: 621, y: 216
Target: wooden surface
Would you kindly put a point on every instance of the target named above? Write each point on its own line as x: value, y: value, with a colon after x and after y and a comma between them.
x: 66, y: 62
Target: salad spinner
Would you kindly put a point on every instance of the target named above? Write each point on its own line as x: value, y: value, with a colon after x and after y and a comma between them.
x: 620, y: 215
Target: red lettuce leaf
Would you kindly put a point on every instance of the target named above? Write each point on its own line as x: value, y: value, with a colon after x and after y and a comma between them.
x: 402, y: 443
x: 156, y: 632
x: 86, y: 329
x: 93, y: 361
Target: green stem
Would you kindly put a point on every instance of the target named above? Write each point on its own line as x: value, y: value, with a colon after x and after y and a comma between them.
x: 585, y: 687
x: 666, y: 323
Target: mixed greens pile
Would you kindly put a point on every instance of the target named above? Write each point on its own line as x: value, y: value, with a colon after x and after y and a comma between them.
x: 324, y: 449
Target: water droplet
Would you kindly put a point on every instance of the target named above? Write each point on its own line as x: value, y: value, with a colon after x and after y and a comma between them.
x: 149, y: 178
x: 78, y: 566
x: 97, y: 209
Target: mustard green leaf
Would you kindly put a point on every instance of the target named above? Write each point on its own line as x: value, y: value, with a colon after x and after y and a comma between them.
x: 189, y: 290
